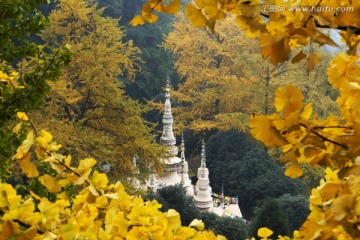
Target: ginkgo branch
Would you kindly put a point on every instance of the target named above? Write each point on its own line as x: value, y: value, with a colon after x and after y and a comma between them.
x: 72, y: 170
x: 155, y: 5
x: 325, y: 138
x: 22, y: 224
x: 344, y: 127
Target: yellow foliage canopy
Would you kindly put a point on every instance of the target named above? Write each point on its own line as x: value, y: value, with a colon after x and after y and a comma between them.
x: 98, y: 211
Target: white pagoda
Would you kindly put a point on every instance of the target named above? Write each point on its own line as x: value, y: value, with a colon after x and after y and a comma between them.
x: 202, y: 196
x: 172, y: 163
x: 184, y: 173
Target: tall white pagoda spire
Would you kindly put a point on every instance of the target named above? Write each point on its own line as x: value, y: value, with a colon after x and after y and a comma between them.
x: 172, y: 162
x: 203, y: 198
x: 184, y: 174
x: 167, y: 137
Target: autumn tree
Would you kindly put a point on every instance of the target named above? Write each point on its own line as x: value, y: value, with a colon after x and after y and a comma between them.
x: 87, y: 108
x: 18, y: 21
x: 225, y: 79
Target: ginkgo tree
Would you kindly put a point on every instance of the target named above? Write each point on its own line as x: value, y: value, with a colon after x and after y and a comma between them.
x: 87, y: 108
x: 225, y: 79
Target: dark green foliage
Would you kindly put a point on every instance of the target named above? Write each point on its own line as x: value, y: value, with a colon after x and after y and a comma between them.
x: 175, y: 197
x: 18, y: 22
x: 223, y: 148
x: 297, y: 209
x: 231, y: 228
x: 157, y: 63
x: 272, y: 216
x: 246, y: 171
x: 18, y: 19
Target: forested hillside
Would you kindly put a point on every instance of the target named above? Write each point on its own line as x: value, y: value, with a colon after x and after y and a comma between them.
x: 83, y: 85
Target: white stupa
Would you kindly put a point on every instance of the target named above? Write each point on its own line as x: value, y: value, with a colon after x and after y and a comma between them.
x: 203, y: 198
x: 135, y: 180
x: 184, y: 173
x: 152, y: 184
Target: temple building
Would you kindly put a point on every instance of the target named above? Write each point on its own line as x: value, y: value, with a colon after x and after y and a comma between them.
x: 176, y: 172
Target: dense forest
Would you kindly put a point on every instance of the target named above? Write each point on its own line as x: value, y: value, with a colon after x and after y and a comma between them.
x: 82, y: 90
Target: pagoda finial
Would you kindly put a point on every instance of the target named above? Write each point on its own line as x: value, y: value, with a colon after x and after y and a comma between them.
x: 168, y: 82
x: 134, y: 163
x: 134, y: 160
x: 203, y: 157
x: 182, y: 148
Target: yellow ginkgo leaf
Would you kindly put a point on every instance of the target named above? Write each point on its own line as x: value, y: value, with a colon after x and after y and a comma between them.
x: 276, y: 48
x: 195, y: 16
x: 300, y: 56
x: 288, y: 99
x: 263, y: 130
x: 35, y: 195
x: 25, y: 146
x: 50, y: 183
x: 99, y: 180
x: 312, y: 60
x: 44, y: 138
x: 22, y: 116
x: 151, y: 17
x: 67, y: 160
x: 197, y: 224
x: 264, y: 232
x: 17, y: 128
x: 86, y: 164
x: 342, y: 206
x: 30, y: 233
x: 307, y: 111
x: 172, y: 8
x: 7, y: 230
x: 28, y: 167
x: 220, y: 237
x: 137, y: 20
x: 294, y: 170
x: 8, y: 195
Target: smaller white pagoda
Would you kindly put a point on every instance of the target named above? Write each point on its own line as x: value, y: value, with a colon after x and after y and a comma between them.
x: 184, y: 173
x: 202, y: 195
